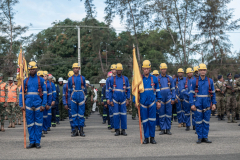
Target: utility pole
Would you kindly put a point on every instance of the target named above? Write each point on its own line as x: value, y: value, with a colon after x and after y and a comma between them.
x: 79, y: 38
x: 79, y: 50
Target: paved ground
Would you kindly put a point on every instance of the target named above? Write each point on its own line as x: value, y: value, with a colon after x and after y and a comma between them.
x: 100, y: 143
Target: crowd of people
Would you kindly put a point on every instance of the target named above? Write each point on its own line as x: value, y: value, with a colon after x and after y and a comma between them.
x: 165, y: 99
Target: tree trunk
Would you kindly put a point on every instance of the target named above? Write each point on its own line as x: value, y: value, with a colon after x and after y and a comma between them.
x: 100, y: 58
x: 135, y: 34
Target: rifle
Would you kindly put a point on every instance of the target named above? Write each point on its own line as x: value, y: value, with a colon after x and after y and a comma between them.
x: 231, y: 86
x: 220, y: 89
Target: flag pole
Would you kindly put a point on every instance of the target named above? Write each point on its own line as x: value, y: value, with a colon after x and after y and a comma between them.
x: 139, y: 115
x: 23, y: 99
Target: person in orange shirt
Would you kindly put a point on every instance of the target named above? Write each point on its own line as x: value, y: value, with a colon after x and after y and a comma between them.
x: 18, y: 109
x: 11, y: 101
x: 2, y: 100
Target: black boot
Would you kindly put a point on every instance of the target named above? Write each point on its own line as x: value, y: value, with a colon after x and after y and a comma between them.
x: 117, y: 132
x: 104, y: 122
x: 168, y: 132
x: 42, y: 135
x: 31, y: 146
x: 199, y: 141
x: 193, y: 128
x: 48, y: 129
x: 81, y: 132
x: 237, y: 116
x: 152, y: 140
x: 133, y: 118
x: 222, y: 118
x: 123, y: 132
x: 37, y: 145
x: 75, y: 132
x: 45, y: 132
x: 187, y: 129
x: 146, y: 141
x: 219, y: 117
x: 206, y: 140
x: 162, y: 132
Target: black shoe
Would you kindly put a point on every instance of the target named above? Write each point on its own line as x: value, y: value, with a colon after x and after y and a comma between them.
x: 45, y: 132
x: 162, y: 132
x: 238, y: 124
x: 109, y: 128
x: 104, y: 122
x: 152, y: 140
x: 81, y: 132
x: 48, y: 129
x: 37, y: 145
x: 31, y: 146
x: 222, y: 118
x: 146, y: 141
x: 168, y: 132
x: 199, y: 141
x: 206, y: 140
x: 117, y: 132
x: 75, y: 132
x: 42, y: 135
x: 58, y: 123
x: 133, y: 118
x: 187, y: 129
x: 193, y: 128
x: 123, y: 132
x: 54, y: 125
x: 219, y: 118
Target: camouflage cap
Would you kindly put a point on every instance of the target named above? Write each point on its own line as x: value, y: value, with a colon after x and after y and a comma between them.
x: 15, y: 80
x: 1, y: 74
x: 10, y: 78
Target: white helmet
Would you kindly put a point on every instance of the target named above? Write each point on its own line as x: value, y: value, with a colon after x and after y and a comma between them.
x: 87, y: 82
x: 102, y: 81
x: 60, y: 79
x: 65, y: 81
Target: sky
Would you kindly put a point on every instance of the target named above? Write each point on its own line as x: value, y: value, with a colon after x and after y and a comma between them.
x: 41, y: 13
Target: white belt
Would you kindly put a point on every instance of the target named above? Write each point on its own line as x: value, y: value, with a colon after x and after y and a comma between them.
x: 148, y: 106
x: 32, y: 108
x: 164, y: 88
x: 32, y: 93
x: 166, y: 102
x: 121, y: 103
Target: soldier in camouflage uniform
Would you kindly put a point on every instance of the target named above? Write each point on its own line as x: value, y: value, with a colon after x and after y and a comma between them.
x: 231, y: 98
x: 2, y: 100
x: 220, y: 88
x: 89, y: 100
x: 237, y: 83
x: 11, y: 102
x: 99, y: 96
x: 18, y: 111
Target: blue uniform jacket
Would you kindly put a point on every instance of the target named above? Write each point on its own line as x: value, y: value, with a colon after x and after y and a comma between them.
x: 107, y: 87
x: 34, y: 100
x: 81, y: 91
x: 167, y: 92
x: 148, y: 96
x: 57, y: 94
x: 180, y: 88
x: 203, y: 90
x: 54, y: 93
x: 188, y: 89
x: 49, y: 94
x: 103, y: 95
x: 119, y: 95
x: 64, y: 96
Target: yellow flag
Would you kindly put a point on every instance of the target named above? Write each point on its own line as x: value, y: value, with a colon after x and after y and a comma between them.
x: 21, y: 73
x: 137, y: 83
